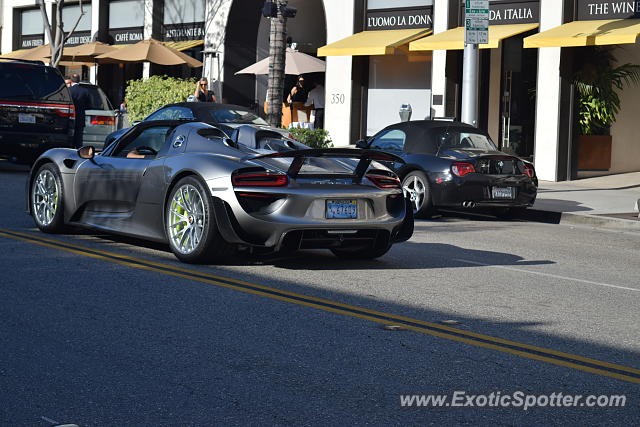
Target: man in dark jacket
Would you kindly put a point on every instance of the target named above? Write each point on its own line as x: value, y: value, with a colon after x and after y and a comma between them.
x: 82, y: 100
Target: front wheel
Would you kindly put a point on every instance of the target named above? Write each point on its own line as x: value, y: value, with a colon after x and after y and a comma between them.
x: 47, y: 199
x: 190, y: 224
x: 417, y: 190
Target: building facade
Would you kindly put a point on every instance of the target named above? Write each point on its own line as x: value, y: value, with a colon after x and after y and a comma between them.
x: 381, y: 55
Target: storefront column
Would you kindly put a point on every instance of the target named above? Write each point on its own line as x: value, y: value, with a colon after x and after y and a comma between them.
x: 338, y: 83
x: 147, y: 33
x: 95, y: 25
x: 547, y: 138
x: 439, y: 64
x: 48, y: 6
x: 216, y: 17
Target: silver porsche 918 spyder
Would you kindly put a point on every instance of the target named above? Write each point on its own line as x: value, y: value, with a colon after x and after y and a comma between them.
x: 188, y: 184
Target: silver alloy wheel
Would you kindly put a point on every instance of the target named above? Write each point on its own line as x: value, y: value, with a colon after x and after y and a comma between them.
x: 45, y: 197
x: 415, y: 190
x: 186, y: 219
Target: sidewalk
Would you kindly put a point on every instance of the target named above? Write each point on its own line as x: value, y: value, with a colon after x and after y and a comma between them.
x: 606, y: 201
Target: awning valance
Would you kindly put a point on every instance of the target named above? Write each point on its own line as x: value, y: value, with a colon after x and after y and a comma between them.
x: 383, y: 42
x: 184, y: 45
x: 587, y: 33
x: 454, y: 39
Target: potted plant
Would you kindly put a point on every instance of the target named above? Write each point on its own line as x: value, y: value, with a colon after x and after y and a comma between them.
x: 598, y: 82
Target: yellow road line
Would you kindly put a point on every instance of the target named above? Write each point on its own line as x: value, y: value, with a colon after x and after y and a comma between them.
x: 440, y: 331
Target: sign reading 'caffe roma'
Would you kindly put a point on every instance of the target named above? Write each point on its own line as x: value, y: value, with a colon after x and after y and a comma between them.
x: 608, y: 9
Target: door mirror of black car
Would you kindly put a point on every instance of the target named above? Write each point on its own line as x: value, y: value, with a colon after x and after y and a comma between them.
x: 87, y: 152
x: 362, y: 144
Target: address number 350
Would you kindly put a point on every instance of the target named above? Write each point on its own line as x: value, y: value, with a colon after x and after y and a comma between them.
x: 337, y: 98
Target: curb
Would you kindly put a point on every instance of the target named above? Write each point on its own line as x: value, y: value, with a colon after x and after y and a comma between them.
x: 598, y: 221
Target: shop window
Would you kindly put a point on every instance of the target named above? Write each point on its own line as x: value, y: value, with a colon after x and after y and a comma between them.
x: 71, y: 13
x: 126, y: 13
x: 31, y: 22
x: 182, y: 12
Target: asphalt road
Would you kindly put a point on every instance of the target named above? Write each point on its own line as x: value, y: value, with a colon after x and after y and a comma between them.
x: 106, y: 331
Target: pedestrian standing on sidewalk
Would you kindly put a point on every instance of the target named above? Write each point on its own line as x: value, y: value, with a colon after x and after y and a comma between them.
x: 81, y: 99
x: 202, y: 92
x: 316, y: 99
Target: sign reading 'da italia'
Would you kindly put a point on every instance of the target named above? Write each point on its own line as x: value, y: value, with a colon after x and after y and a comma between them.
x: 390, y: 19
x: 476, y: 22
x: 514, y: 13
x: 608, y: 9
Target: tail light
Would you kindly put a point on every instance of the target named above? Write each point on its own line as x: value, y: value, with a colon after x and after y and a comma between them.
x: 102, y: 120
x: 528, y: 170
x: 259, y: 179
x: 66, y: 112
x: 383, y: 179
x: 461, y: 169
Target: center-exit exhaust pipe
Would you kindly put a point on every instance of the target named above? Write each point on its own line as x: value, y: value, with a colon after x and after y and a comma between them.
x: 468, y: 204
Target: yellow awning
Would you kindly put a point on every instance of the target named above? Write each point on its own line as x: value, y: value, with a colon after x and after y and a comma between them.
x: 184, y: 45
x: 454, y: 39
x: 587, y: 33
x: 383, y: 42
x: 14, y: 54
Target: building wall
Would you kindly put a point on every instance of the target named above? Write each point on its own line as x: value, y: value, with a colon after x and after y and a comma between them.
x: 625, y: 155
x: 338, y: 81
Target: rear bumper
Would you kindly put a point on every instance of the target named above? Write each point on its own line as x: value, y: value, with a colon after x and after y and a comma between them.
x: 29, y: 146
x: 288, y: 232
x: 476, y: 188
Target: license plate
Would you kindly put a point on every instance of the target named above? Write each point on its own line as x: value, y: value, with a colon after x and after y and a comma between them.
x: 502, y: 192
x: 342, y: 209
x: 26, y: 118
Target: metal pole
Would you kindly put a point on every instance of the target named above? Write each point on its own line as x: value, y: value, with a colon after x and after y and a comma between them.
x: 470, y: 84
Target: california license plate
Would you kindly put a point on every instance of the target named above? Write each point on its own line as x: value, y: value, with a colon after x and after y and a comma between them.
x: 342, y: 209
x: 26, y: 118
x: 502, y: 192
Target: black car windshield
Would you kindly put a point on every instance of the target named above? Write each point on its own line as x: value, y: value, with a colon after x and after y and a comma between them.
x: 450, y: 139
x: 237, y: 116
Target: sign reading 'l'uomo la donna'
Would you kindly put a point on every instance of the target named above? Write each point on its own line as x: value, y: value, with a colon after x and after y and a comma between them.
x: 608, y: 9
x: 399, y: 19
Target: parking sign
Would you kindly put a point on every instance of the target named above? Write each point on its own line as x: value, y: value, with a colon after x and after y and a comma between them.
x: 476, y: 22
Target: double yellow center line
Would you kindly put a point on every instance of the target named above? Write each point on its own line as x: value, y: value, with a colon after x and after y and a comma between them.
x: 541, y: 354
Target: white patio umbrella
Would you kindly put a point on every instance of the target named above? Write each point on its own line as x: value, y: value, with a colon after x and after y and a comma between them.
x: 296, y: 63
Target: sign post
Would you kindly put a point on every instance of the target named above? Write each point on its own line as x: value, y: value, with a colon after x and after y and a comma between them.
x: 476, y: 31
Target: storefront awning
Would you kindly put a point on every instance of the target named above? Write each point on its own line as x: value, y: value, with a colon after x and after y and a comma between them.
x: 383, y: 42
x: 454, y: 39
x: 587, y: 33
x: 184, y: 45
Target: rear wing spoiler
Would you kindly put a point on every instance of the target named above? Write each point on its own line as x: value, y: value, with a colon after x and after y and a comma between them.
x: 299, y: 156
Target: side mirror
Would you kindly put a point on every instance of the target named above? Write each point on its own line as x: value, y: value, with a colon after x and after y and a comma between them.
x: 87, y: 152
x: 362, y: 144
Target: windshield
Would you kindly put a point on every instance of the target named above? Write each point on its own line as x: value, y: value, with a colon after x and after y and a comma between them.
x: 457, y: 140
x: 237, y: 116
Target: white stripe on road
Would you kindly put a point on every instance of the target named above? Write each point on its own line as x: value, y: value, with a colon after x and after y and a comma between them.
x: 555, y: 276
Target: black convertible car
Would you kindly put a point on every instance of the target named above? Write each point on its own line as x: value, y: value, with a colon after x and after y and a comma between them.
x: 455, y: 165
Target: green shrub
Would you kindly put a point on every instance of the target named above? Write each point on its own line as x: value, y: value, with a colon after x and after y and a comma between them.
x: 316, y: 138
x: 143, y: 97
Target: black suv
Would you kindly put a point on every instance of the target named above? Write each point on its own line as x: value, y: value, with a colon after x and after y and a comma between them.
x: 36, y: 110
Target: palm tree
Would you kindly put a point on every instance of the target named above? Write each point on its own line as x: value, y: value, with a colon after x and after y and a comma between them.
x: 277, y: 51
x: 598, y: 83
